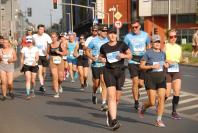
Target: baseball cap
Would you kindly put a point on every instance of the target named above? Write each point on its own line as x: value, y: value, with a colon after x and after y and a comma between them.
x: 63, y: 34
x: 112, y: 30
x: 95, y: 27
x: 29, y: 39
x: 155, y: 38
x: 103, y: 27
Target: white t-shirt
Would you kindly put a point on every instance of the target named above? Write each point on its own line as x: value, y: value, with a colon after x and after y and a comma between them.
x: 29, y: 55
x: 41, y: 43
x: 88, y: 40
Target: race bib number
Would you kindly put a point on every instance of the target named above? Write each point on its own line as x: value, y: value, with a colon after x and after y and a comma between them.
x: 138, y: 48
x: 113, y: 57
x: 173, y: 68
x: 161, y: 66
x: 56, y: 59
x: 80, y: 52
x: 71, y: 54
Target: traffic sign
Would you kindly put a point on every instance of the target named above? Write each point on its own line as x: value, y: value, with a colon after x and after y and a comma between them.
x: 118, y: 15
x: 118, y: 24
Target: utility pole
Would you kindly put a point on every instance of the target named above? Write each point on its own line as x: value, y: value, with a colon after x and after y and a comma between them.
x: 169, y: 14
x: 72, y: 17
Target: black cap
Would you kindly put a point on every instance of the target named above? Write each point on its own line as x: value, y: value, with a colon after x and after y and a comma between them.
x: 112, y: 30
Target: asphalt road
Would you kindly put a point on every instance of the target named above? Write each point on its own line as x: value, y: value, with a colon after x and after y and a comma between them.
x: 73, y: 112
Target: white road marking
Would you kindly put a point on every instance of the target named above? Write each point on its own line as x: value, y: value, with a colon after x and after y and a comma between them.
x: 187, y: 108
x: 183, y: 101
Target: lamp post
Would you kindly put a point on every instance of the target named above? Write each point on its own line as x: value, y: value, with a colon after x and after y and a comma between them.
x: 51, y: 19
x: 169, y: 14
x: 95, y: 7
x: 69, y: 20
x: 72, y: 17
x: 113, y: 9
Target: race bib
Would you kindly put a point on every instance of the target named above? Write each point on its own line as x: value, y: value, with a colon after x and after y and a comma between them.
x: 40, y: 46
x: 161, y: 66
x: 138, y: 48
x: 80, y: 52
x: 56, y: 59
x: 113, y: 57
x: 173, y: 68
x: 71, y: 54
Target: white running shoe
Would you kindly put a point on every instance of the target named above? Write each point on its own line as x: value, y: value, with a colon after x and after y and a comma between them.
x: 60, y: 89
x: 56, y: 95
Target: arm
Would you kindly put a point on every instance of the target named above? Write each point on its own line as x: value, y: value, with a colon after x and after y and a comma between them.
x: 22, y: 60
x: 126, y: 55
x: 14, y: 57
x: 147, y: 67
x: 76, y: 50
x: 63, y: 50
x: 102, y: 58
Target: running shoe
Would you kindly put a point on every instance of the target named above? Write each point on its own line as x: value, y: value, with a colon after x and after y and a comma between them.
x: 56, y: 95
x: 28, y: 97
x: 85, y: 85
x: 42, y: 89
x: 4, y: 98
x: 108, y: 119
x: 175, y: 116
x: 11, y: 94
x: 82, y: 88
x: 141, y: 112
x: 60, y: 89
x: 94, y: 99
x: 72, y: 81
x: 104, y: 107
x: 160, y: 124
x: 32, y: 94
x: 115, y: 124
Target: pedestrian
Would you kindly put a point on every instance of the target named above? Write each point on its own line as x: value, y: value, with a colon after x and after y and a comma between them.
x: 173, y: 76
x: 72, y: 61
x: 138, y: 41
x: 195, y: 44
x: 1, y: 41
x: 93, y: 51
x: 7, y: 58
x: 29, y: 66
x: 56, y: 50
x: 41, y: 42
x: 113, y: 54
x: 154, y: 62
x: 82, y: 62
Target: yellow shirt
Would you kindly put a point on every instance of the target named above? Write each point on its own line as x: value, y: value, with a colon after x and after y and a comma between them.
x: 173, y: 52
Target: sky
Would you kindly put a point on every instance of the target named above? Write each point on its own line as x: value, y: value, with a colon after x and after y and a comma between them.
x: 41, y: 11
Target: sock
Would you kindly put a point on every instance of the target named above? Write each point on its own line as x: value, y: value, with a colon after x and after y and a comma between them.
x: 166, y: 98
x: 104, y: 102
x: 175, y: 102
x: 159, y: 118
x: 27, y: 91
x: 136, y: 102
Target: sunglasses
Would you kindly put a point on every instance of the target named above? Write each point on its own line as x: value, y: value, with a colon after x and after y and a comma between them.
x: 104, y: 30
x: 156, y: 42
x: 134, y: 27
x: 95, y: 30
x: 171, y: 37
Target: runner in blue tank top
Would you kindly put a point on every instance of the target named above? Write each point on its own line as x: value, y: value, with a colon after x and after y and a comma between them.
x: 93, y: 52
x: 72, y: 61
x: 138, y: 41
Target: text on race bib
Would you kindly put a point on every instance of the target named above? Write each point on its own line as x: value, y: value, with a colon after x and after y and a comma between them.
x: 113, y: 57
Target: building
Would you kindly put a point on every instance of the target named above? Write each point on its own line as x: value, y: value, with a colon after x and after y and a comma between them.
x: 183, y: 17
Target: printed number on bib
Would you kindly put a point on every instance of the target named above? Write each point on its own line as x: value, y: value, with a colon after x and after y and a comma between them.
x: 56, y: 59
x: 71, y: 54
x: 173, y: 68
x: 80, y: 52
x: 113, y: 57
x: 138, y: 48
x: 161, y: 66
x: 64, y: 57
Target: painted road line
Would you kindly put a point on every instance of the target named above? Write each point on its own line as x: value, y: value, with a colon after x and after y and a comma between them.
x: 188, y: 108
x: 183, y: 101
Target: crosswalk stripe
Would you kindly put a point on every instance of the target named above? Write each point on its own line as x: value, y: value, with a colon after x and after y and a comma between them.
x: 188, y: 108
x: 183, y: 101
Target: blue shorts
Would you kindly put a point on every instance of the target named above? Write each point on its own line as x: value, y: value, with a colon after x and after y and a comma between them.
x: 72, y: 61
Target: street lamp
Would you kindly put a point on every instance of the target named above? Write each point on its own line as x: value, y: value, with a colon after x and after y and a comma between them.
x: 71, y: 16
x: 95, y: 6
x: 69, y: 21
x: 113, y: 9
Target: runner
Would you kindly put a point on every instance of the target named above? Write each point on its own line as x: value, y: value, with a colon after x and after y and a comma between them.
x: 82, y: 62
x: 29, y: 65
x: 173, y: 75
x: 64, y: 40
x: 113, y: 54
x: 138, y: 41
x: 56, y: 50
x: 94, y: 31
x: 155, y: 79
x: 7, y: 59
x: 92, y: 52
x: 41, y: 42
x: 72, y: 61
x: 23, y: 41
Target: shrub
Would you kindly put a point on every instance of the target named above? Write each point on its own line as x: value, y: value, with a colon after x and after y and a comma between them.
x: 186, y: 47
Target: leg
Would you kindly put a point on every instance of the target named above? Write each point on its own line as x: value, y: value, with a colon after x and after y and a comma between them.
x: 71, y: 71
x: 4, y: 83
x: 161, y: 98
x: 33, y: 82
x: 104, y: 89
x: 112, y: 105
x: 135, y: 91
x: 10, y: 84
x: 28, y: 83
x: 85, y: 72
x: 81, y: 75
x: 40, y: 74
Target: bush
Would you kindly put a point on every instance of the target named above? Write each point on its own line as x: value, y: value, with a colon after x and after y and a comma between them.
x: 186, y: 47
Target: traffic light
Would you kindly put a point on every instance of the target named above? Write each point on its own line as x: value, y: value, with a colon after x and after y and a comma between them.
x: 55, y: 4
x: 29, y: 12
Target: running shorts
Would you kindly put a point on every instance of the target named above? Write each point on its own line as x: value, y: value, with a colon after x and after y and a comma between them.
x: 43, y: 61
x: 33, y: 69
x: 97, y: 71
x: 135, y: 71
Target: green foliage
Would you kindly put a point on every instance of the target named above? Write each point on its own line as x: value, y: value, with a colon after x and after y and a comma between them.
x: 193, y: 60
x: 187, y: 47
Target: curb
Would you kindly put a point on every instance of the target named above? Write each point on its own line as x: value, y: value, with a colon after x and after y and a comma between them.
x: 191, y: 65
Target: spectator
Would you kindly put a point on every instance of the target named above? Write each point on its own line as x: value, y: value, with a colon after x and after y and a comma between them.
x: 195, y: 44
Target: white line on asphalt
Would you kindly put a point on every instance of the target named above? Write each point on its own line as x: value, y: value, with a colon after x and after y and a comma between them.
x: 188, y: 108
x: 188, y: 75
x: 183, y: 101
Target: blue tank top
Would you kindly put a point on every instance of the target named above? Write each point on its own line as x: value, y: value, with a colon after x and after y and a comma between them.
x: 70, y: 48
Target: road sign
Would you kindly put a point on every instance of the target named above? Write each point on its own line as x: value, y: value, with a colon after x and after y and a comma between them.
x: 118, y: 15
x: 118, y: 24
